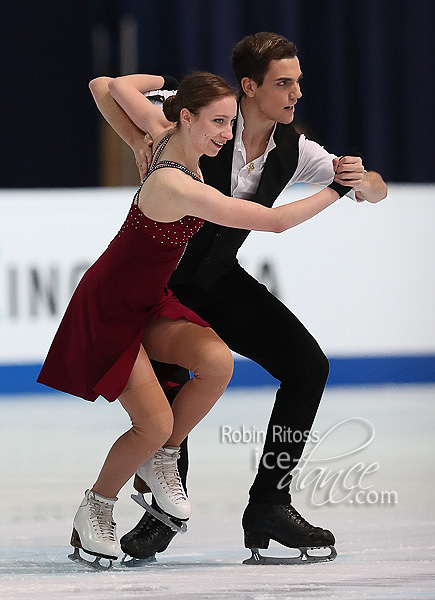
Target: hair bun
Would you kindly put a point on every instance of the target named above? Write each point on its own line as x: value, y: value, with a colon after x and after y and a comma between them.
x: 197, y: 90
x: 171, y: 108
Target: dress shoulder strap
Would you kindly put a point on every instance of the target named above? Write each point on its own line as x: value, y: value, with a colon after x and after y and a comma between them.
x: 175, y: 165
x: 154, y: 158
x: 155, y: 165
x: 159, y: 149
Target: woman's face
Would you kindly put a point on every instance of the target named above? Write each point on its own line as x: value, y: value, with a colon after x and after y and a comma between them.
x: 211, y: 128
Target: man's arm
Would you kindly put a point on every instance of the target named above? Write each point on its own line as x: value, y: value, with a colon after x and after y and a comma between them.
x: 367, y: 185
x: 132, y: 135
x: 318, y: 166
x: 373, y: 189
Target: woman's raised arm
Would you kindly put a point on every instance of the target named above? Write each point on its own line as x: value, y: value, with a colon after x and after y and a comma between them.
x: 128, y: 91
x: 121, y: 123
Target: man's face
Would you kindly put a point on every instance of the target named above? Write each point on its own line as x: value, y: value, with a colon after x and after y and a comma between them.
x: 279, y: 92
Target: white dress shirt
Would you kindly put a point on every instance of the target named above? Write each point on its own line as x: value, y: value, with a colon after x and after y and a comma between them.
x: 314, y: 165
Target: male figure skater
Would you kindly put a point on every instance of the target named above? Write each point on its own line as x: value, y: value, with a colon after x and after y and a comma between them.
x: 265, y: 156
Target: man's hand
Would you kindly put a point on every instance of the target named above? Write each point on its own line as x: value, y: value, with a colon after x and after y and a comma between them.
x: 142, y: 154
x: 349, y: 171
x: 368, y: 185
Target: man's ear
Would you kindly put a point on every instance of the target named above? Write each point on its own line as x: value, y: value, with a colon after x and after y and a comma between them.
x: 248, y: 86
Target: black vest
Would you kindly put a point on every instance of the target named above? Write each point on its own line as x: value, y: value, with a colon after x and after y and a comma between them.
x: 212, y: 251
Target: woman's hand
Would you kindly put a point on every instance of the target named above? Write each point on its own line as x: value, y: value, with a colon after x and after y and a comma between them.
x: 349, y: 171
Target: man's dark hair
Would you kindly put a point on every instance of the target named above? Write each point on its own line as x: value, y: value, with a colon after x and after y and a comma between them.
x: 251, y: 56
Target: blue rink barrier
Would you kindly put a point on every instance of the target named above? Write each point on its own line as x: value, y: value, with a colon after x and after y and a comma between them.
x: 344, y: 371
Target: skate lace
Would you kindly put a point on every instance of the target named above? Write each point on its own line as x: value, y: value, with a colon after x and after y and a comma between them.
x: 298, y: 518
x: 167, y: 473
x: 151, y: 527
x: 101, y: 516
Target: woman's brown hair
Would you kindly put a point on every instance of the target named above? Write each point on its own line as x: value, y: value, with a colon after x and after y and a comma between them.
x: 196, y: 91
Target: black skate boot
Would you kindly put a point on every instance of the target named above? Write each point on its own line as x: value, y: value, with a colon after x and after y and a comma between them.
x: 282, y: 523
x: 148, y: 537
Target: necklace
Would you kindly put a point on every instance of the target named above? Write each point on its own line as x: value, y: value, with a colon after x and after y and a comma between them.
x: 251, y: 167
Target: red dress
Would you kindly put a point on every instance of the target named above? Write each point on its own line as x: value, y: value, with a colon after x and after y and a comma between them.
x: 96, y: 345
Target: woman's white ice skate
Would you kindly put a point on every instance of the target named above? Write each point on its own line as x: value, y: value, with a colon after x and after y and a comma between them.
x: 94, y: 531
x: 159, y: 475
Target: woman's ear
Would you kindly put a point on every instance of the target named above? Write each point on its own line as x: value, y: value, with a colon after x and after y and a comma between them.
x: 185, y: 117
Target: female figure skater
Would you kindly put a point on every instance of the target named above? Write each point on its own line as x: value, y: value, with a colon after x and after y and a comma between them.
x: 122, y: 314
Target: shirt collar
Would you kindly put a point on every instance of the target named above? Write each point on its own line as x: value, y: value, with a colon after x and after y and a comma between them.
x: 238, y: 142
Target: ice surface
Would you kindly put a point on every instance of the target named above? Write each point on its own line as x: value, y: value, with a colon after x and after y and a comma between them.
x: 52, y: 448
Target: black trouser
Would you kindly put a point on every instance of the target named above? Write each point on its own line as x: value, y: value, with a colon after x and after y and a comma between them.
x: 255, y: 324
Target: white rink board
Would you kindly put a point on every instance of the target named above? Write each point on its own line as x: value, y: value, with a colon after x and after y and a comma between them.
x: 359, y: 276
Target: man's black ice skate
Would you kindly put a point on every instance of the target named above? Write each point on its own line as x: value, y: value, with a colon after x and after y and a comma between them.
x: 148, y: 537
x: 282, y: 523
x: 177, y: 525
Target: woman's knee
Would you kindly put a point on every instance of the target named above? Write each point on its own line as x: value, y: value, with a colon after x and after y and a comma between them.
x: 216, y: 361
x: 149, y: 411
x: 162, y: 426
x: 155, y: 429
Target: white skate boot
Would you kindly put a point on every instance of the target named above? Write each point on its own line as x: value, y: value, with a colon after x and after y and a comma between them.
x: 159, y: 475
x: 94, y: 530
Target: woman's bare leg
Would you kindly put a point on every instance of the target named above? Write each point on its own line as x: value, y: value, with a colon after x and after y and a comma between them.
x: 152, y: 421
x: 200, y: 350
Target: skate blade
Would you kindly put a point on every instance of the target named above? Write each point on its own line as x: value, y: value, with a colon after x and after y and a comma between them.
x: 163, y: 517
x: 134, y: 563
x: 303, y: 559
x: 95, y: 564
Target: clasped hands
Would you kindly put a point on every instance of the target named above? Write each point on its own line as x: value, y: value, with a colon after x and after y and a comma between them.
x: 349, y: 171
